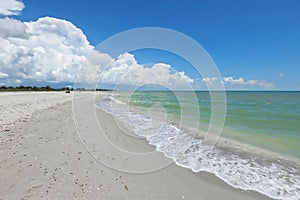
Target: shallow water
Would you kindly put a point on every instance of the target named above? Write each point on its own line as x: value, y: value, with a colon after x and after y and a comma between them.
x: 267, y: 120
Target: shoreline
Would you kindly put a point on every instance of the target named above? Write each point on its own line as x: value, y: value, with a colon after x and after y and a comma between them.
x: 225, y: 142
x: 262, y: 157
x: 44, y: 158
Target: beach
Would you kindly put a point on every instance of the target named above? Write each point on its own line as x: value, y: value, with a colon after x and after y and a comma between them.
x: 42, y: 156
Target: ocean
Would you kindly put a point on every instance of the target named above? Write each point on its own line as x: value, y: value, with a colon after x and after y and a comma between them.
x: 258, y: 149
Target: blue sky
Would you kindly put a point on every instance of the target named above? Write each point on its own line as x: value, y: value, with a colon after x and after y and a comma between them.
x: 255, y: 40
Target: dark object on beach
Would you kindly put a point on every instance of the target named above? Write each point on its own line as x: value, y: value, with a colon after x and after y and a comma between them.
x: 126, y: 187
x: 67, y: 90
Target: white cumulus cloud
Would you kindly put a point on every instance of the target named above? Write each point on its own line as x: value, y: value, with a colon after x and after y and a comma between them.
x: 126, y: 70
x: 12, y: 28
x: 241, y: 81
x: 238, y: 83
x: 53, y: 50
x: 3, y: 75
x: 210, y: 80
x: 230, y: 80
x: 48, y: 49
x: 11, y: 7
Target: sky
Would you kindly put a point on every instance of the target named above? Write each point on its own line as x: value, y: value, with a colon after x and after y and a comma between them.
x: 255, y: 44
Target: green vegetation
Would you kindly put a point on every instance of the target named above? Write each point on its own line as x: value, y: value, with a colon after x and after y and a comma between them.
x: 104, y: 89
x: 43, y: 88
x: 29, y: 88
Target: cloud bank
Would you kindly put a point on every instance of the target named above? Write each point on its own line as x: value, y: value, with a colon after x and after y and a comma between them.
x: 48, y: 49
x: 237, y: 83
x: 11, y: 7
x: 126, y: 71
x: 52, y: 50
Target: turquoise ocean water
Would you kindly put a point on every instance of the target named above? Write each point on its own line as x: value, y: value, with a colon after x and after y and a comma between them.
x: 266, y: 121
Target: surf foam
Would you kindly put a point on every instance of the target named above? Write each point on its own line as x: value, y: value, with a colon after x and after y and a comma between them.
x: 189, y: 151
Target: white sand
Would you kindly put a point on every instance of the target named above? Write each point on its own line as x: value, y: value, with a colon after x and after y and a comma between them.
x: 43, y: 158
x: 18, y: 106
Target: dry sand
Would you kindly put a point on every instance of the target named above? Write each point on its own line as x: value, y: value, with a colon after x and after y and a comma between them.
x: 42, y: 157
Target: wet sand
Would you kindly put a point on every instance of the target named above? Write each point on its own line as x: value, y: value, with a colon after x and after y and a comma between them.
x: 42, y: 156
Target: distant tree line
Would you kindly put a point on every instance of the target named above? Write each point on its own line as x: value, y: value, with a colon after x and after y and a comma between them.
x: 104, y: 89
x: 30, y: 88
x: 42, y: 88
